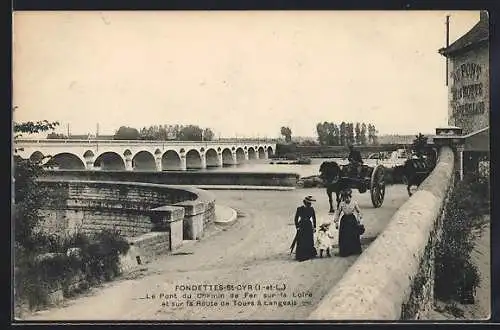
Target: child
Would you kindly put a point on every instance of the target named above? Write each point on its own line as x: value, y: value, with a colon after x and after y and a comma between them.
x: 324, y: 239
x: 350, y: 227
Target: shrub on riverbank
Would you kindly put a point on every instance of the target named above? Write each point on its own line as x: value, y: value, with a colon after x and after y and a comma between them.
x: 57, y: 260
x: 456, y: 276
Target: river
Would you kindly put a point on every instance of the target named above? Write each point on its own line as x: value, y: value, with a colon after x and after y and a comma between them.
x: 264, y: 165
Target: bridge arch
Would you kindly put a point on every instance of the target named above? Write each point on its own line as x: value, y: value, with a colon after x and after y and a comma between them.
x: 227, y: 157
x: 240, y: 155
x: 270, y: 152
x: 66, y: 161
x: 251, y: 153
x: 193, y: 159
x: 37, y: 156
x: 110, y: 161
x: 212, y: 158
x: 144, y: 161
x: 170, y: 161
x: 262, y: 153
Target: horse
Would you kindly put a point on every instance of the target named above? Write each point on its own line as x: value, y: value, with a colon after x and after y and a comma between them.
x: 331, y: 176
x: 415, y: 171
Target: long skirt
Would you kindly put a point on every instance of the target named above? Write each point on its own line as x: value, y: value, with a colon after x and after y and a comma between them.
x: 349, y: 241
x: 305, y: 241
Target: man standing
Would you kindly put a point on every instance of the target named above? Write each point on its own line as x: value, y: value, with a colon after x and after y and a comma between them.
x: 355, y: 159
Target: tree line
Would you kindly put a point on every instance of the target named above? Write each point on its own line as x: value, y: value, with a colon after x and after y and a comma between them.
x: 165, y: 132
x: 157, y: 132
x: 331, y: 134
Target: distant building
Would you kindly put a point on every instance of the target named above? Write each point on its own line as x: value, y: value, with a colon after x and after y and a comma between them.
x: 469, y: 91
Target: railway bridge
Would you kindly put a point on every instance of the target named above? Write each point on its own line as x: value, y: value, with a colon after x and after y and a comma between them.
x: 143, y: 155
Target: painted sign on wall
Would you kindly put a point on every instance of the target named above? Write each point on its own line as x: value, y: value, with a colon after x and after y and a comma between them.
x: 467, y: 92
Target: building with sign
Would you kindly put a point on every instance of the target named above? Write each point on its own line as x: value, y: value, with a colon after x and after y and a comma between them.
x: 469, y: 91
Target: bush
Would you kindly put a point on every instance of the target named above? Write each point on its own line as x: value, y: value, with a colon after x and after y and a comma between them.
x: 27, y: 286
x: 456, y: 276
x: 48, y: 267
x: 101, y: 255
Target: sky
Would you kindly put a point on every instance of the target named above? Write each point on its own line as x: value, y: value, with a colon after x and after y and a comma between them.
x: 242, y: 74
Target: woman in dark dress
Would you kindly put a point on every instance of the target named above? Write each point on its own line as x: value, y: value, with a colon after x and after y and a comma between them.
x: 349, y: 231
x: 305, y: 223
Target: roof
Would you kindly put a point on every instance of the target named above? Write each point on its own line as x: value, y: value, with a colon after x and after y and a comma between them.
x: 479, y: 34
x: 478, y: 141
x: 477, y: 132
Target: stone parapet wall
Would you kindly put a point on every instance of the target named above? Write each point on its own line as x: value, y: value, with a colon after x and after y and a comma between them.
x: 179, y: 177
x: 392, y: 279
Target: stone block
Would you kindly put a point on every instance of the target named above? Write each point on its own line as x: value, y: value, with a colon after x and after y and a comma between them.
x: 146, y: 247
x: 193, y: 226
x: 192, y: 207
x: 176, y: 234
x: 165, y: 214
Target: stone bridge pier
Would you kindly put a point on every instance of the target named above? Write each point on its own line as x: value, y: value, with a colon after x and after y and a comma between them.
x: 140, y: 155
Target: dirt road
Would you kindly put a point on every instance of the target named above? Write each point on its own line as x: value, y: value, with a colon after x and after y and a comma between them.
x: 250, y: 258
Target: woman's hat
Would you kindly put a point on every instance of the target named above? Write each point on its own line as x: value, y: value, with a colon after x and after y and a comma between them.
x: 309, y: 199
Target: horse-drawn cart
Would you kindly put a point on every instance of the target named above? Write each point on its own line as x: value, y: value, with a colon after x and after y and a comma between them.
x: 415, y: 171
x: 336, y: 178
x: 370, y: 178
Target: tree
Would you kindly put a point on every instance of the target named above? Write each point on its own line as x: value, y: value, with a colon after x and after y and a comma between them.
x: 173, y: 131
x: 208, y: 135
x: 357, y: 131
x: 419, y: 145
x: 56, y: 136
x: 190, y: 133
x: 322, y: 133
x: 287, y: 133
x: 343, y: 133
x: 363, y: 134
x: 375, y: 137
x: 28, y: 194
x: 126, y: 133
x: 372, y: 134
x: 30, y: 127
x: 336, y: 135
x: 350, y: 133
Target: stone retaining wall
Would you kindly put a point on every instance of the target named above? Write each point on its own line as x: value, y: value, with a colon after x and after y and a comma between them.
x: 393, y: 278
x: 133, y: 208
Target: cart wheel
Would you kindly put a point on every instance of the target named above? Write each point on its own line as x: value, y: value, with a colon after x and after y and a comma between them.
x: 377, y: 186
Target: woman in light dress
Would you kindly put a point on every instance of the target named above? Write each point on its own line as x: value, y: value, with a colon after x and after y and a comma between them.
x: 351, y: 227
